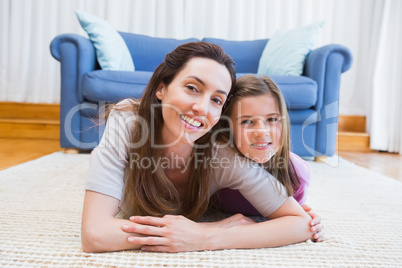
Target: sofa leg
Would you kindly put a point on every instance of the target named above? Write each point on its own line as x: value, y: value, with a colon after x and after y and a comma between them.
x: 333, y: 161
x: 71, y: 151
x: 321, y: 158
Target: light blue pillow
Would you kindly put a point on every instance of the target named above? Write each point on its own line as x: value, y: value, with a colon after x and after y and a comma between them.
x: 286, y: 51
x: 111, y: 50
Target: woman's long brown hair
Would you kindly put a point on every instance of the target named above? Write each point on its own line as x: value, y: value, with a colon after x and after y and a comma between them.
x: 152, y: 193
x: 280, y: 165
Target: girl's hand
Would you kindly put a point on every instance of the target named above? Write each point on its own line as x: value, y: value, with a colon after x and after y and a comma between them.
x: 167, y: 234
x: 316, y: 227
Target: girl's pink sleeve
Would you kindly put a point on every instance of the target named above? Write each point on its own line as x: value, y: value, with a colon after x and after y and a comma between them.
x: 302, y: 169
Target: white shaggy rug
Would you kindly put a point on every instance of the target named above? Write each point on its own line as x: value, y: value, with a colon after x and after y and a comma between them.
x: 41, y: 203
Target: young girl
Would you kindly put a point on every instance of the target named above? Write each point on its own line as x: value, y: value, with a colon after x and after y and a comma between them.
x: 260, y: 131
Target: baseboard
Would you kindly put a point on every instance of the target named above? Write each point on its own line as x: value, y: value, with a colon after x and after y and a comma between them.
x: 41, y: 121
x: 352, y: 135
x: 29, y: 120
x: 353, y: 142
x: 352, y: 123
x: 13, y: 110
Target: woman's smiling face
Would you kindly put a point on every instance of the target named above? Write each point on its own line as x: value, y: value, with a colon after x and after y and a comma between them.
x: 257, y: 127
x: 192, y: 103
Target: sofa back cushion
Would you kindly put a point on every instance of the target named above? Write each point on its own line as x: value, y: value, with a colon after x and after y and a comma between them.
x: 246, y: 54
x: 300, y: 92
x: 148, y: 52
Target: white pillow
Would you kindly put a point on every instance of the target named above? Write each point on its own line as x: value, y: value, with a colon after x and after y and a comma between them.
x: 286, y: 51
x: 111, y: 50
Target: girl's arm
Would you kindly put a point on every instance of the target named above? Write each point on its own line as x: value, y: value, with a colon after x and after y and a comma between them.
x: 288, y: 225
x: 316, y: 226
x: 302, y: 169
x: 100, y: 230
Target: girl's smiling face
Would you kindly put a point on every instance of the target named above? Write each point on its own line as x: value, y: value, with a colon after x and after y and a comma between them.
x: 257, y: 127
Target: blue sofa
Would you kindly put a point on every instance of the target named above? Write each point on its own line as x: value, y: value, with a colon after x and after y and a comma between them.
x: 312, y: 99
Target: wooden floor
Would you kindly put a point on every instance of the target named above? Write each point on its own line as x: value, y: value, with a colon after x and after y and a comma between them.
x: 17, y: 151
x: 382, y: 162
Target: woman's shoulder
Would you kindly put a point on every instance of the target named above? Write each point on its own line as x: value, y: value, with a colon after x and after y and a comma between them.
x: 224, y: 150
x: 126, y: 106
x: 126, y: 109
x: 230, y: 157
x: 121, y: 119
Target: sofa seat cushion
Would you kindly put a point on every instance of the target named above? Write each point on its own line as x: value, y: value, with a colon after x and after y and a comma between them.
x: 113, y: 86
x: 300, y: 92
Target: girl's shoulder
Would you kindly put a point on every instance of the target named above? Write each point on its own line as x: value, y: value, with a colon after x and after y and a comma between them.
x: 301, y: 166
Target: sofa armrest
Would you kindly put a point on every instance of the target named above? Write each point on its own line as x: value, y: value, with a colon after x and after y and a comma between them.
x: 325, y: 65
x: 77, y: 57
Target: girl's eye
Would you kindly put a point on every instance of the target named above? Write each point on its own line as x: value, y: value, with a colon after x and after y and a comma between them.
x: 246, y: 122
x: 217, y: 101
x: 191, y: 88
x: 272, y: 119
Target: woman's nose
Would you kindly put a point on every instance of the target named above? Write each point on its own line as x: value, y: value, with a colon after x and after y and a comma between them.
x: 201, y: 106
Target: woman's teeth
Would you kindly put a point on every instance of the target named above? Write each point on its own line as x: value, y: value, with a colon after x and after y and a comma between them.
x: 191, y: 121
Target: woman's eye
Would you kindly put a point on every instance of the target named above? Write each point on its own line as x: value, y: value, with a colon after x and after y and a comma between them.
x: 192, y: 88
x: 217, y: 101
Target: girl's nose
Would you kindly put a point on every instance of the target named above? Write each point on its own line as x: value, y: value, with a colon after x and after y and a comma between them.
x: 261, y: 128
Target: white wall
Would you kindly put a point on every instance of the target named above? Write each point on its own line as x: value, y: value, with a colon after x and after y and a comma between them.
x: 28, y: 73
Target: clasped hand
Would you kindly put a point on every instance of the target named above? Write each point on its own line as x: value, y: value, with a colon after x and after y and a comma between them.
x: 168, y: 234
x: 175, y: 233
x: 172, y: 233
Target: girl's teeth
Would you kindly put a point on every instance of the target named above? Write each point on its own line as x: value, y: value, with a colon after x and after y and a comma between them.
x: 261, y: 145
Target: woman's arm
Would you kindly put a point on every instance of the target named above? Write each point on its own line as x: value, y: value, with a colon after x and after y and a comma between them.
x: 100, y: 230
x: 315, y: 225
x: 288, y: 225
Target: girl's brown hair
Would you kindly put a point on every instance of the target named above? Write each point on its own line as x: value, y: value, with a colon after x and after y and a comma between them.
x: 280, y: 165
x: 152, y: 193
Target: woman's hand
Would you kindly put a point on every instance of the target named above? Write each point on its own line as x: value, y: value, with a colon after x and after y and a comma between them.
x: 168, y: 234
x: 234, y: 220
x: 316, y: 227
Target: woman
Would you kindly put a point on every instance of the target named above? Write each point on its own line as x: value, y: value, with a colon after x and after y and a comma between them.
x: 146, y: 162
